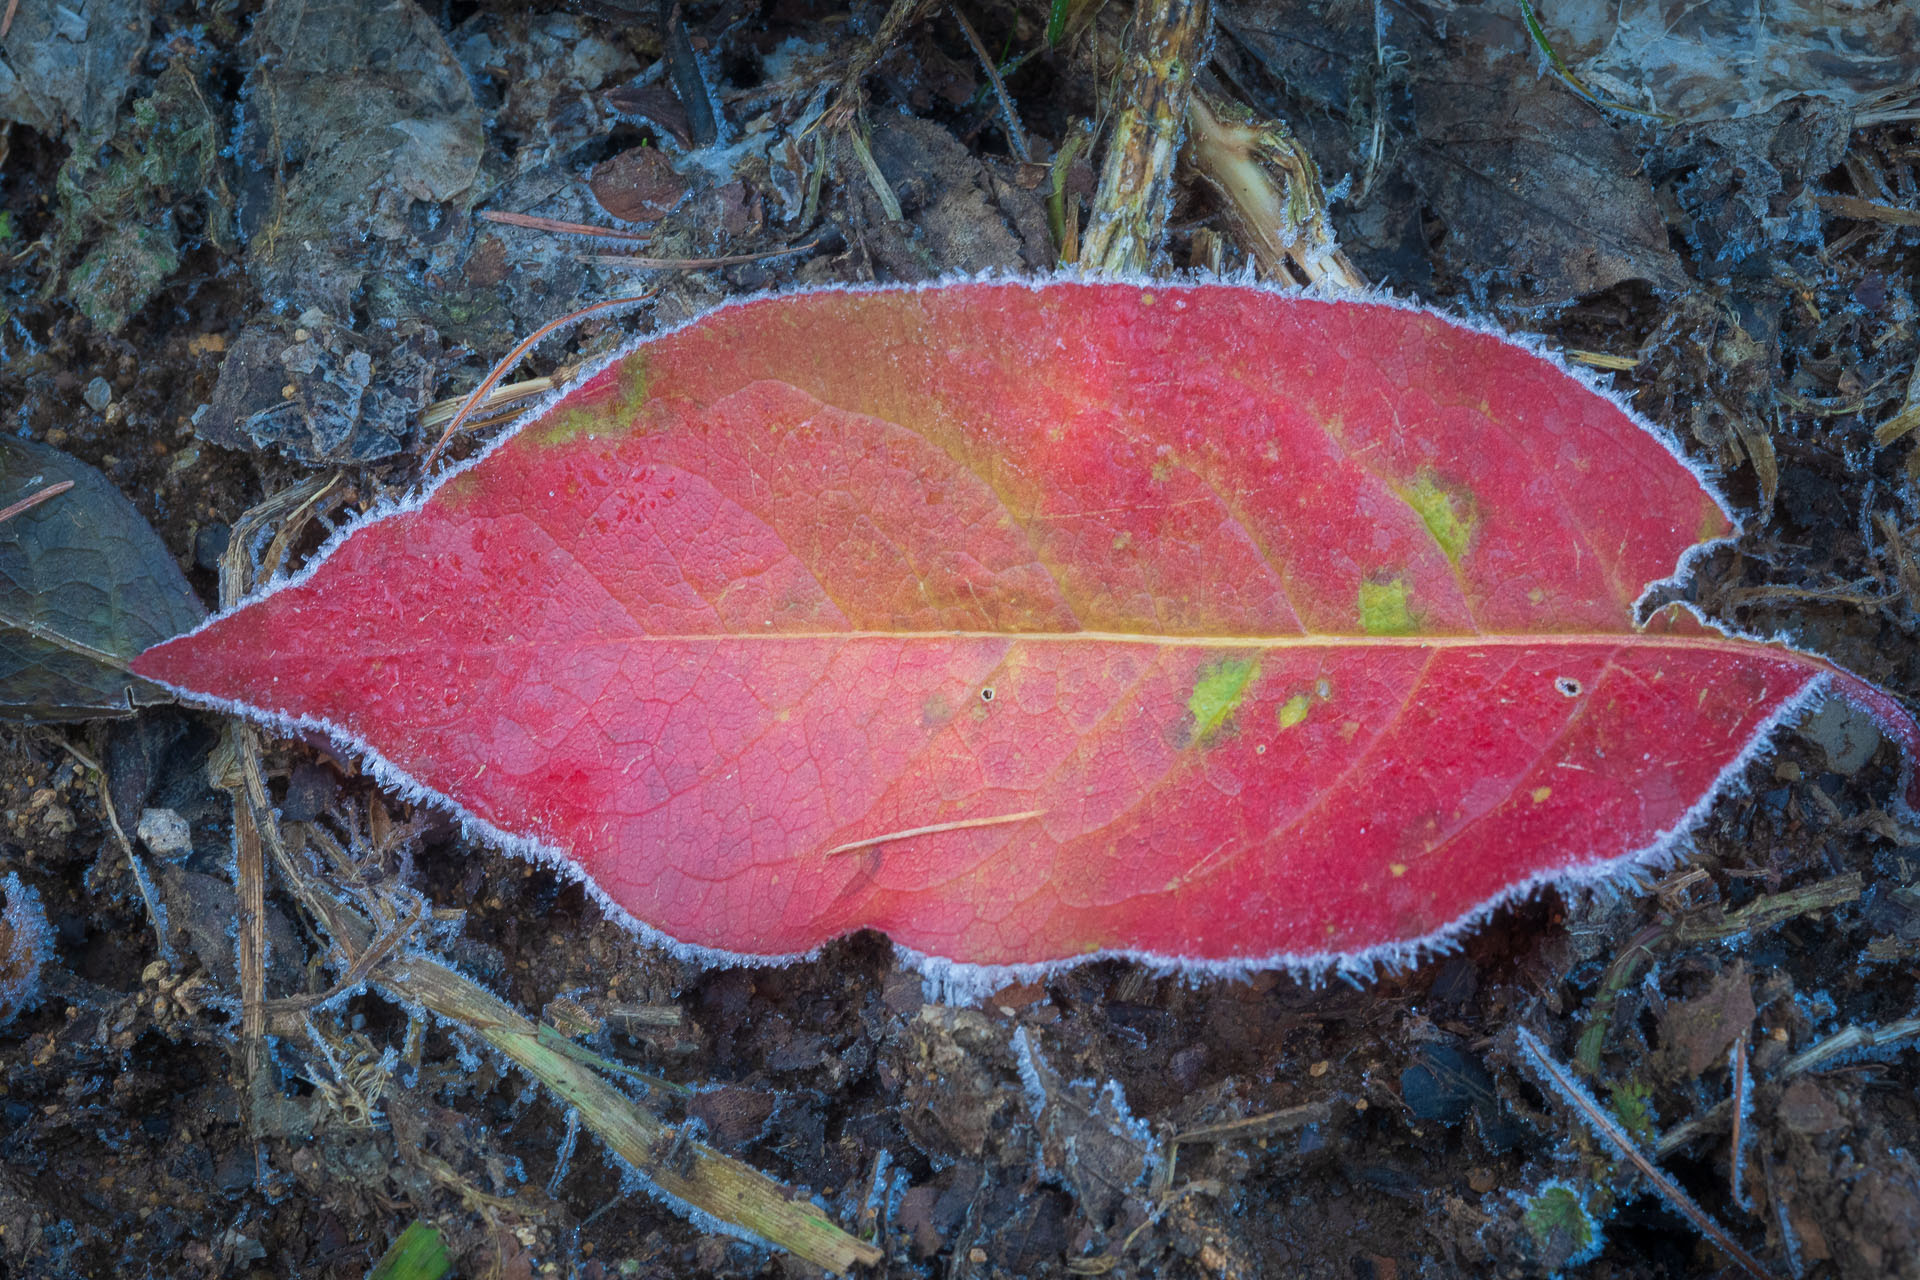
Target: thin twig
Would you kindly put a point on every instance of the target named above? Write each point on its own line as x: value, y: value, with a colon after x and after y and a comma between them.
x: 534, y: 223
x: 936, y: 829
x: 6, y: 23
x: 901, y: 16
x: 358, y: 969
x: 34, y: 499
x: 635, y: 262
x: 1016, y: 136
x: 250, y: 880
x: 162, y: 948
x: 1850, y: 1040
x: 1603, y: 1125
x: 505, y: 364
x: 1742, y: 1101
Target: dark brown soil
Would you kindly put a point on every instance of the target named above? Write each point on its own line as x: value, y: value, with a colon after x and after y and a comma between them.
x: 1371, y: 1131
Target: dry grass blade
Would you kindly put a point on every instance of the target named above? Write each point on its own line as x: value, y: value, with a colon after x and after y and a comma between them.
x: 1601, y: 1123
x: 1566, y: 74
x: 294, y: 508
x: 499, y: 402
x: 882, y: 189
x: 1601, y: 359
x: 1063, y: 214
x: 1906, y: 419
x: 1869, y: 211
x: 283, y: 1013
x: 1264, y: 1125
x: 235, y: 571
x: 1710, y: 925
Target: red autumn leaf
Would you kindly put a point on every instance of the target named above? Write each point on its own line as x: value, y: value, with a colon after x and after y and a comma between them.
x: 1025, y: 623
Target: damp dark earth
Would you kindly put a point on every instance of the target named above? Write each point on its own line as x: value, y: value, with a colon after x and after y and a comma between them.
x: 262, y: 1016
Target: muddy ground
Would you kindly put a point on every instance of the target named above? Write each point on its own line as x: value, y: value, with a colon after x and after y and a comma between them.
x: 241, y: 246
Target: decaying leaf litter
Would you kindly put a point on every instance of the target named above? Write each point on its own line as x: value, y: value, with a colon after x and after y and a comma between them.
x: 1748, y: 267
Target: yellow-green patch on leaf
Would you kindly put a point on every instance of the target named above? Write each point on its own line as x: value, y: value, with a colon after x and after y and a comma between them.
x: 1217, y: 694
x: 1383, y: 609
x: 1294, y: 710
x: 1447, y: 517
x: 613, y: 415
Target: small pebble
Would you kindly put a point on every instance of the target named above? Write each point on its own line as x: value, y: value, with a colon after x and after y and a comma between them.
x: 98, y: 395
x: 165, y: 833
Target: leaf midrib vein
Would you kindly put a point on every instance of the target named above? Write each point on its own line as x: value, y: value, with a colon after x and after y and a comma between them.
x: 1330, y: 640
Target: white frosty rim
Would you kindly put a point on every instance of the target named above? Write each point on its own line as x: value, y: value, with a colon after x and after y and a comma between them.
x: 959, y: 982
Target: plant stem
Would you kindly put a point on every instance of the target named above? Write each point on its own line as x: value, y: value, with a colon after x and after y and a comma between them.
x: 1171, y: 40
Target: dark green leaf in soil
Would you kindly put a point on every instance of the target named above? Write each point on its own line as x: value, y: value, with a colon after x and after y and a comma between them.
x: 83, y: 567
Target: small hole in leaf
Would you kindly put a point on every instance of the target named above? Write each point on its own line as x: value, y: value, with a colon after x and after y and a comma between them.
x: 1568, y: 686
x: 986, y: 694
